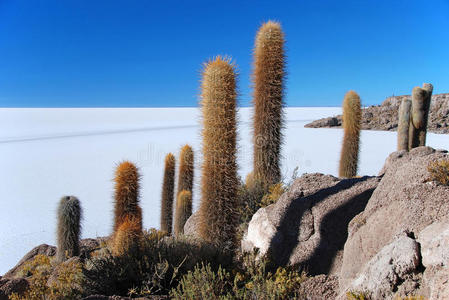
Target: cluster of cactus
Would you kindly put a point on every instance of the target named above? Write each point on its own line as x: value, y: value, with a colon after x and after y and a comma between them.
x: 268, y: 79
x: 352, y: 116
x: 127, y: 212
x: 68, y: 228
x: 168, y: 187
x: 413, y: 116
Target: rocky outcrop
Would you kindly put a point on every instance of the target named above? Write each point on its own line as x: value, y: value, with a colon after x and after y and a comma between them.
x: 87, y: 246
x: 385, y: 116
x: 307, y: 226
x: 406, y: 200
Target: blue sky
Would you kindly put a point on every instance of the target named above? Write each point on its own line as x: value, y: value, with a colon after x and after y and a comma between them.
x: 94, y: 53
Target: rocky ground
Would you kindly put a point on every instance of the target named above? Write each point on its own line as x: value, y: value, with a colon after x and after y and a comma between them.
x: 385, y: 116
x: 384, y: 236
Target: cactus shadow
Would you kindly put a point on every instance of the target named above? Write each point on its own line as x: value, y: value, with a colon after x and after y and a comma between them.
x: 284, y: 242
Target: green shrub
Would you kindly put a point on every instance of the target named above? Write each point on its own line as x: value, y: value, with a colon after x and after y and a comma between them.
x: 162, y: 262
x: 273, y: 195
x: 439, y: 171
x: 203, y: 283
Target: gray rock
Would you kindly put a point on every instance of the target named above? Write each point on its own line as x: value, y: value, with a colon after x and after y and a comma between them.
x: 320, y: 287
x: 405, y: 200
x: 434, y: 240
x: 388, y: 268
x: 191, y: 225
x: 307, y: 226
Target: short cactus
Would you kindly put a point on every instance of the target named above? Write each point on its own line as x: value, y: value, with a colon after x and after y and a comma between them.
x: 126, y: 195
x: 68, y: 228
x: 127, y: 238
x: 183, y: 211
x: 420, y: 111
x: 186, y: 167
x: 403, y: 124
x: 352, y: 115
x: 269, y: 80
x: 168, y: 187
x: 218, y: 213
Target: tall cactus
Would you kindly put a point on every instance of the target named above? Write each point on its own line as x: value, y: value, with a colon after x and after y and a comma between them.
x: 352, y: 116
x: 168, y: 188
x: 186, y: 168
x: 218, y: 211
x: 126, y: 195
x: 68, y: 228
x: 183, y: 210
x: 420, y: 111
x: 403, y: 124
x: 269, y: 80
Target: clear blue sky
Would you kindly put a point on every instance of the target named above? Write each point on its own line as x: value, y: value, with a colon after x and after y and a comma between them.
x: 89, y: 53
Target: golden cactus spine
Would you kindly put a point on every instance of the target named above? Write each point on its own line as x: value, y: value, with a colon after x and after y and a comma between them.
x: 183, y: 210
x: 403, y: 124
x: 421, y: 98
x: 168, y: 189
x: 127, y: 238
x: 352, y: 116
x: 186, y: 169
x: 219, y: 206
x: 126, y: 195
x: 269, y: 80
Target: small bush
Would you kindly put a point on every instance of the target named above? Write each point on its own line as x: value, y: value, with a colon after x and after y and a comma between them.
x: 163, y: 260
x: 274, y: 193
x: 203, y: 283
x: 353, y: 295
x: 251, y: 282
x: 439, y: 171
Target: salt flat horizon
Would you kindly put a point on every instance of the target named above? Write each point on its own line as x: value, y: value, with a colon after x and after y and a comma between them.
x: 46, y: 153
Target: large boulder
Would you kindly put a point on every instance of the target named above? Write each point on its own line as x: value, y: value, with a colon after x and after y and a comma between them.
x: 391, y: 267
x: 41, y: 249
x: 406, y: 200
x: 307, y: 226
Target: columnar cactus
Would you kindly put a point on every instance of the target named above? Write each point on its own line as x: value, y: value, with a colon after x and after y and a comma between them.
x: 168, y: 189
x: 352, y: 115
x: 420, y: 111
x: 218, y: 211
x: 183, y: 210
x: 68, y: 228
x: 269, y: 80
x: 403, y: 124
x: 186, y: 167
x: 126, y: 196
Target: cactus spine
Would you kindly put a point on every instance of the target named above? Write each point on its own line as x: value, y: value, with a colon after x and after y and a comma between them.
x: 183, y: 210
x: 219, y: 205
x: 126, y: 195
x: 268, y: 79
x: 127, y: 238
x: 420, y: 111
x: 352, y: 115
x: 69, y: 228
x: 403, y: 124
x: 168, y: 187
x: 185, y: 176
